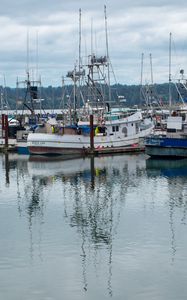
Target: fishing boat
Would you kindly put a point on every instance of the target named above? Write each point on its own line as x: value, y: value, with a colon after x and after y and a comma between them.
x: 172, y: 143
x: 111, y: 135
x: 111, y: 131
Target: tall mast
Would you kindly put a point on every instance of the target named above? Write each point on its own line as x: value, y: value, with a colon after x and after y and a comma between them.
x: 107, y: 53
x: 151, y: 88
x: 1, y: 98
x: 141, y: 77
x: 80, y: 62
x: 27, y: 67
x: 91, y: 36
x: 170, y: 35
x: 142, y: 59
x: 79, y: 39
x: 37, y: 55
x: 151, y: 66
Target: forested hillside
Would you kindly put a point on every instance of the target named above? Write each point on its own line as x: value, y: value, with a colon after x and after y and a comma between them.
x: 57, y: 97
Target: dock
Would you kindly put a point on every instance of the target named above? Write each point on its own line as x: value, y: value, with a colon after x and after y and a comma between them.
x: 120, y: 150
x: 12, y: 145
x: 10, y: 148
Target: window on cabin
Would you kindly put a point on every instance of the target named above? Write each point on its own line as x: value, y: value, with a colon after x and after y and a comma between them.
x: 124, y: 130
x: 137, y: 127
x: 102, y: 129
x: 115, y: 128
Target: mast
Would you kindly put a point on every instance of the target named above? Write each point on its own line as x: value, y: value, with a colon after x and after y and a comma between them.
x: 91, y: 36
x: 170, y: 35
x: 142, y: 59
x: 27, y: 67
x: 151, y: 89
x: 37, y: 55
x: 151, y: 66
x: 80, y: 39
x: 74, y: 91
x: 107, y: 53
x: 1, y: 98
x: 80, y: 62
x: 141, y: 77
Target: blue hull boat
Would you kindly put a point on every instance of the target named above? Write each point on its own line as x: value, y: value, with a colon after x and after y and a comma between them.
x: 166, y: 146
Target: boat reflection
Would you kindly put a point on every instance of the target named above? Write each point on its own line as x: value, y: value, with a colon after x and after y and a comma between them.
x: 94, y: 192
x: 76, y: 214
x: 175, y: 173
x: 166, y: 167
x: 91, y: 195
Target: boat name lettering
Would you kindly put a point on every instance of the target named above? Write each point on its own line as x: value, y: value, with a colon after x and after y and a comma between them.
x: 38, y: 143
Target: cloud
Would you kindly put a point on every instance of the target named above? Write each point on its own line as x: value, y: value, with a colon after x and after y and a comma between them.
x: 134, y: 27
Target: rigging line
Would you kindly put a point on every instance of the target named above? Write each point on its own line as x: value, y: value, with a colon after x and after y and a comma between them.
x: 115, y: 80
x: 179, y: 92
x: 184, y: 86
x: 176, y: 56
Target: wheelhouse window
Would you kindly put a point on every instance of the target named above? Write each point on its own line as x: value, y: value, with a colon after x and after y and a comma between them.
x: 115, y: 128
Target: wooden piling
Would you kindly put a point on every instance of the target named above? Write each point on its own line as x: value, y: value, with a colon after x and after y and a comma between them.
x: 3, y: 123
x: 91, y: 134
x: 6, y: 131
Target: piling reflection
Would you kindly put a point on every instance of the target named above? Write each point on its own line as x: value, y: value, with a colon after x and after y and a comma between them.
x: 29, y: 199
x: 7, y: 168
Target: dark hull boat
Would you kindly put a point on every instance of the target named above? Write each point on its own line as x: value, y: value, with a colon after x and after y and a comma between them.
x: 166, y: 146
x: 173, y: 144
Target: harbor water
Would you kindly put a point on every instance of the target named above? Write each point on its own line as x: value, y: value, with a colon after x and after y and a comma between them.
x: 110, y: 227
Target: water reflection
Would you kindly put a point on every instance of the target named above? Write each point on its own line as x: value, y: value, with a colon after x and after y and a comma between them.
x: 175, y: 172
x: 94, y: 193
x: 166, y: 167
x: 90, y: 195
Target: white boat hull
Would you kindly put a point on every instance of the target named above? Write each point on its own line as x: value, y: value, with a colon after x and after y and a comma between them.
x: 41, y: 143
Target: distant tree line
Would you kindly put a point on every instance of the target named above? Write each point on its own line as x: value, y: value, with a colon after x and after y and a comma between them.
x: 58, y: 97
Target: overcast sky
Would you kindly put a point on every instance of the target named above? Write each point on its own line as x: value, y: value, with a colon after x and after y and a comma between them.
x: 134, y: 27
